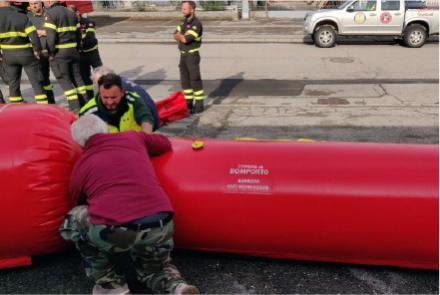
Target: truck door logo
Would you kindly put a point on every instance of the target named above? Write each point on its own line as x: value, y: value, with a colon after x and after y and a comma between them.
x: 385, y: 17
x: 360, y: 18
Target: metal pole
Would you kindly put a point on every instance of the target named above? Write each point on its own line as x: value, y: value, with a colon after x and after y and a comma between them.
x: 245, y: 9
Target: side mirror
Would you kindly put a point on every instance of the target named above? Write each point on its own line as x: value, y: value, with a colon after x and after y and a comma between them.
x: 350, y: 9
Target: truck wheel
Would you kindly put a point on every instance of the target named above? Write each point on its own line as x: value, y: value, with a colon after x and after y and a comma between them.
x: 325, y: 37
x: 414, y: 36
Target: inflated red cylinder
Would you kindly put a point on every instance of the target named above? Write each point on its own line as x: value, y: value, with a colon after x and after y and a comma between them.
x: 340, y: 202
x: 37, y: 154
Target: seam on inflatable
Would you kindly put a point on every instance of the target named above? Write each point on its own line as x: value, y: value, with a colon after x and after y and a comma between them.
x: 4, y: 107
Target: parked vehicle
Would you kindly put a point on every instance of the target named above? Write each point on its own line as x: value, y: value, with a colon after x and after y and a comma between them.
x: 412, y: 21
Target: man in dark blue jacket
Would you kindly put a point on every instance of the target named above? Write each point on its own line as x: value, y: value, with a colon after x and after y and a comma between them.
x: 131, y: 87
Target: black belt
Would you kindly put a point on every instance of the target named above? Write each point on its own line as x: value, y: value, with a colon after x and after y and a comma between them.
x: 157, y: 220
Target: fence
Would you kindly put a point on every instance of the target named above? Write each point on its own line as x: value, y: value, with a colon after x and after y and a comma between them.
x: 254, y: 5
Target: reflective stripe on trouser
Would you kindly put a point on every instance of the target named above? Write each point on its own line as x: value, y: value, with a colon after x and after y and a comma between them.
x: 149, y: 249
x: 71, y: 94
x: 14, y: 61
x: 41, y: 99
x: 82, y: 90
x: 65, y: 67
x: 188, y: 93
x: 190, y: 77
x: 15, y: 99
x: 48, y: 87
x: 199, y: 95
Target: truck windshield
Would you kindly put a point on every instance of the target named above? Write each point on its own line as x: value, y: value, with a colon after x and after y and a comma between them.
x: 344, y: 4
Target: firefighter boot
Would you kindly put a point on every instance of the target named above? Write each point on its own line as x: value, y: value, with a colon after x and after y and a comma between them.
x: 189, y: 104
x: 198, y: 107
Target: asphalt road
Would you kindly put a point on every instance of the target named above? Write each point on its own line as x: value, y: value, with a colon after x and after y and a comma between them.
x: 380, y: 93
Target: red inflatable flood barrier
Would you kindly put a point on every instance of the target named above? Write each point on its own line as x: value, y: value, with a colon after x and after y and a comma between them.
x: 37, y: 154
x: 339, y: 202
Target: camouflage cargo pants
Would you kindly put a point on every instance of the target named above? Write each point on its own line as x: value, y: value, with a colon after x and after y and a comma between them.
x: 150, y: 250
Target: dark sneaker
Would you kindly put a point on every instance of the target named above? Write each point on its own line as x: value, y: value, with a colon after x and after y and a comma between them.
x: 198, y: 107
x: 184, y: 288
x: 120, y: 290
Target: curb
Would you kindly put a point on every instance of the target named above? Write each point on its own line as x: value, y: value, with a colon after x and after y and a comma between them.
x: 210, y: 41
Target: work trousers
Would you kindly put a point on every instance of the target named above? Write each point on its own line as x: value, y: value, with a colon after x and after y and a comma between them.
x: 3, y: 78
x: 65, y: 67
x: 89, y: 60
x: 190, y: 77
x: 45, y: 71
x: 149, y: 248
x: 14, y: 61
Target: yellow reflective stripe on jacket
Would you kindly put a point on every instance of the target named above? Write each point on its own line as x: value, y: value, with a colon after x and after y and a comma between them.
x: 12, y: 34
x: 29, y: 45
x: 67, y: 45
x: 67, y: 29
x: 30, y: 29
x: 91, y: 49
x: 195, y: 34
x: 90, y: 30
x: 50, y: 26
x: 127, y: 122
x: 178, y: 28
x: 89, y: 107
x: 191, y: 51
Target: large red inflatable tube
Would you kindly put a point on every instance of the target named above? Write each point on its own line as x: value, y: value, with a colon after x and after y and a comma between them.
x: 340, y: 202
x: 37, y: 154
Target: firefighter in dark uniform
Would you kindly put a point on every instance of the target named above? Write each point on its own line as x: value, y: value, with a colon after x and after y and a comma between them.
x: 20, y: 6
x: 189, y: 37
x: 36, y: 16
x: 88, y: 51
x: 21, y: 48
x: 3, y: 78
x: 63, y: 38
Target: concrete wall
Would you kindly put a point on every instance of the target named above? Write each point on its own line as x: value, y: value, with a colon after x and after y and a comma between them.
x: 298, y: 14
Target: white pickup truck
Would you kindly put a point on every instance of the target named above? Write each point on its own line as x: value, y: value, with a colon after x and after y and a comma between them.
x: 411, y: 21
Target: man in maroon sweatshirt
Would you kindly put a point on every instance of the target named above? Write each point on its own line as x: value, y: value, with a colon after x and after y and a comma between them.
x: 127, y: 209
